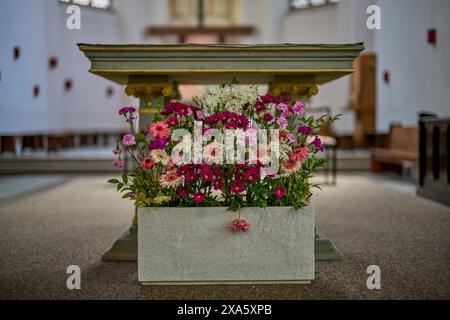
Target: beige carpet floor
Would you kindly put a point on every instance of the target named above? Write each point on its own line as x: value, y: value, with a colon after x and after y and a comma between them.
x: 371, y: 224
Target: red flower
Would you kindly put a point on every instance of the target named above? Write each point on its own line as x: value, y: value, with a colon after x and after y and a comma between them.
x: 280, y: 193
x: 237, y: 225
x: 218, y: 184
x: 216, y: 170
x: 190, y: 177
x: 300, y: 154
x: 234, y: 225
x: 172, y: 122
x: 148, y: 163
x: 199, y: 197
x: 251, y: 176
x: 244, y: 225
x: 182, y: 192
x: 237, y: 186
x: 268, y: 117
x: 206, y: 174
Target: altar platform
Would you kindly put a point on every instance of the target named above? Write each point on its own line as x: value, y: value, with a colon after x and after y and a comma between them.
x: 372, y: 220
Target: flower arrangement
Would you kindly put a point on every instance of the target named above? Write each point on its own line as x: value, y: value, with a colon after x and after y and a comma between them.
x: 173, y: 170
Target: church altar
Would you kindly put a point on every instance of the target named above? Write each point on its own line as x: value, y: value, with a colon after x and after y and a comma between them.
x: 152, y: 73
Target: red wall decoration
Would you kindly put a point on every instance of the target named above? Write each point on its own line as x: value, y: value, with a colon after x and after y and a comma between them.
x: 386, y: 77
x: 432, y: 36
x: 36, y: 91
x: 16, y: 53
x: 68, y: 84
x: 53, y: 62
x: 109, y: 91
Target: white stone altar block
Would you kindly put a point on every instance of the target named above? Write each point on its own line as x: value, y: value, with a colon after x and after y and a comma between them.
x: 180, y: 246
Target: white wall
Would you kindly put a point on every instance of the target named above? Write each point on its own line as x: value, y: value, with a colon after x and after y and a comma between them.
x: 38, y: 27
x: 340, y: 23
x: 19, y: 111
x: 419, y: 72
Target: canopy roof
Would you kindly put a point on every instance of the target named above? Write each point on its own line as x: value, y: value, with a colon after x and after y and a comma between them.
x: 210, y: 64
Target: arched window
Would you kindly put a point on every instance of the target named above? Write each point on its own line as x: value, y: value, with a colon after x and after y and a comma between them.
x: 99, y: 4
x: 304, y: 4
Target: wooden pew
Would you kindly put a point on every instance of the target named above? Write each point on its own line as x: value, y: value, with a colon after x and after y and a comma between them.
x: 434, y: 182
x: 403, y: 145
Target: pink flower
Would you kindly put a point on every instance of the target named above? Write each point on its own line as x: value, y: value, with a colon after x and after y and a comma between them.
x: 128, y: 140
x: 282, y: 122
x: 237, y: 186
x: 306, y: 130
x: 298, y: 108
x: 148, y: 163
x: 125, y: 110
x: 199, y: 197
x: 170, y: 165
x: 270, y: 171
x: 170, y: 179
x: 201, y: 115
x: 286, y: 113
x: 237, y: 225
x: 234, y: 225
x: 244, y: 225
x: 280, y: 193
x: 291, y: 137
x: 117, y: 152
x: 160, y: 129
x: 291, y: 166
x: 119, y: 164
x: 282, y: 107
x: 300, y: 154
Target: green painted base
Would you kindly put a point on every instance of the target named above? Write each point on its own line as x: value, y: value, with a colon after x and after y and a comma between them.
x: 325, y: 249
x: 125, y: 248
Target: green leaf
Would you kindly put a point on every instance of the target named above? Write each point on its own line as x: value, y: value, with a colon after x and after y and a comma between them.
x: 119, y: 186
x: 113, y: 181
x: 125, y: 179
x: 140, y: 137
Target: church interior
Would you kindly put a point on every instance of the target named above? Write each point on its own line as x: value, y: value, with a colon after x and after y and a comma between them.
x: 385, y: 188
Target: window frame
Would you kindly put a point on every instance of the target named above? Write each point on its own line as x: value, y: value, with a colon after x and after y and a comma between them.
x: 71, y: 2
x: 293, y: 8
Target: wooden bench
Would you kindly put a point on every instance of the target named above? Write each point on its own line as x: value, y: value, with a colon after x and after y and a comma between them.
x: 434, y: 181
x: 403, y: 145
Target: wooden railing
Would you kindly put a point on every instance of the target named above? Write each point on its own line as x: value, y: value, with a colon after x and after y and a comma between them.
x: 55, y: 141
x: 434, y: 150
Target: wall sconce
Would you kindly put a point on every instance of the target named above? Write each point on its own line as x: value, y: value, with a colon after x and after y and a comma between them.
x: 68, y: 84
x: 52, y: 62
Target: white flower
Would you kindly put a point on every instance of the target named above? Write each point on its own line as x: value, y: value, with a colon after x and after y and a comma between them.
x: 161, y: 199
x: 160, y: 156
x: 226, y: 98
